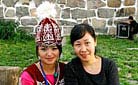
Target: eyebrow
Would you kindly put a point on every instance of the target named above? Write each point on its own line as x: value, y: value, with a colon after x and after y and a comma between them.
x: 86, y: 39
x: 83, y: 40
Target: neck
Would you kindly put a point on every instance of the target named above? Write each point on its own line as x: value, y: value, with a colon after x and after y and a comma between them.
x: 48, y: 69
x: 91, y: 61
x: 93, y: 66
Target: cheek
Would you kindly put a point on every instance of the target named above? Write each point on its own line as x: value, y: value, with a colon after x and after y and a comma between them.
x: 41, y: 54
x: 92, y: 49
x: 76, y: 50
x: 57, y: 53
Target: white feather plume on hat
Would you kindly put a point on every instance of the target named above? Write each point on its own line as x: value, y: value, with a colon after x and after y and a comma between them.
x: 46, y: 9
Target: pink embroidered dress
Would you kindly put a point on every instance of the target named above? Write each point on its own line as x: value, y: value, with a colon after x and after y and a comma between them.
x: 34, y: 77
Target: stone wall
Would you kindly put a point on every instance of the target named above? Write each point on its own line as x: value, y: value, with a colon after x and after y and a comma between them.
x: 101, y: 14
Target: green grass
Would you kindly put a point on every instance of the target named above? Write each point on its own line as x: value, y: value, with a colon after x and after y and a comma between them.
x: 17, y: 53
x: 22, y: 54
x: 127, y: 60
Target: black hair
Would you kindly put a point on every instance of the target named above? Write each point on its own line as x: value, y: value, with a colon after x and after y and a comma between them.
x: 79, y: 31
x: 58, y: 46
x: 130, y: 17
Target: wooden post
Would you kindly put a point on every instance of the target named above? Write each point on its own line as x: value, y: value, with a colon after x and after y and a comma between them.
x: 9, y: 75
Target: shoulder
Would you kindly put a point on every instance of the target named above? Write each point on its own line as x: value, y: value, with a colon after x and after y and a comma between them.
x: 34, y: 72
x: 31, y: 68
x: 62, y: 66
x: 109, y: 64
x: 74, y: 65
x: 26, y: 76
x: 75, y: 60
x: 107, y: 61
x: 133, y: 22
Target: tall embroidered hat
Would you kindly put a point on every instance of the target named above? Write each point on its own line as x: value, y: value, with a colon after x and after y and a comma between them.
x: 48, y: 32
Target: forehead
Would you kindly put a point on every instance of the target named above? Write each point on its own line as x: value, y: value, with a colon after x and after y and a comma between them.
x: 86, y: 37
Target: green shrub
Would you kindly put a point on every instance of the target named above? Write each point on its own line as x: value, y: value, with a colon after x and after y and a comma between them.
x: 9, y: 30
x: 22, y: 35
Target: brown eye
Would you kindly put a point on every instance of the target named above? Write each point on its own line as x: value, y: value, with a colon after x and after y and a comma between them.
x: 87, y: 43
x: 77, y: 44
x: 43, y: 49
x: 54, y: 48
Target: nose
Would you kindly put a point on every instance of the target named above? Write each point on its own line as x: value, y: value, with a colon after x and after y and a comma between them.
x: 83, y: 48
x: 49, y: 52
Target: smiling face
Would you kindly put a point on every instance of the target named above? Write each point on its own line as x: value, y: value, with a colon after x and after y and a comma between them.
x: 48, y: 54
x: 85, y: 47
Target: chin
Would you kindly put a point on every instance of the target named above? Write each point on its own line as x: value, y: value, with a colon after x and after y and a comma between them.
x: 50, y: 62
x: 85, y: 60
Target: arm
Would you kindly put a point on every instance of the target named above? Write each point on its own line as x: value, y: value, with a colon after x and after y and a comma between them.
x: 26, y: 79
x: 113, y: 78
x: 69, y: 76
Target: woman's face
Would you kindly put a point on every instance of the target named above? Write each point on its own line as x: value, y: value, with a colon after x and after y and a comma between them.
x: 85, y: 47
x: 48, y: 54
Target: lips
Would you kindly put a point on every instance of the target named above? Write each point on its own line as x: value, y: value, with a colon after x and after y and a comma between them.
x: 50, y: 59
x: 84, y: 55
